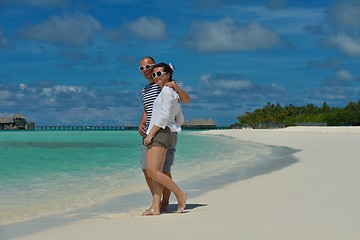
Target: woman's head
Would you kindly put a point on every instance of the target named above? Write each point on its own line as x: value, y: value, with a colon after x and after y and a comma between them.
x: 164, y: 68
x: 162, y: 73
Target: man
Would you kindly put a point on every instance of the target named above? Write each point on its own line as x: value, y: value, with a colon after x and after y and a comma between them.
x: 149, y: 94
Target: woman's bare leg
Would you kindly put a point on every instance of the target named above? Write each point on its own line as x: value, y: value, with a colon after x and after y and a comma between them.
x: 156, y: 164
x: 154, y: 160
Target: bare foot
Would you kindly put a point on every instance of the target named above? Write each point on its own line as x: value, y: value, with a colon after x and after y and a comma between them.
x: 150, y: 212
x: 182, y: 202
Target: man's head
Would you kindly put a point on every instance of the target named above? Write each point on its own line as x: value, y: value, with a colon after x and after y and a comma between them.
x: 146, y: 67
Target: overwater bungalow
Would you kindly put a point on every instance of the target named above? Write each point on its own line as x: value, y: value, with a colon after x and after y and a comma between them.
x: 199, y: 124
x: 15, y: 122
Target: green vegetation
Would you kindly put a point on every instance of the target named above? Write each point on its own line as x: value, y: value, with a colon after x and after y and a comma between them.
x: 291, y: 115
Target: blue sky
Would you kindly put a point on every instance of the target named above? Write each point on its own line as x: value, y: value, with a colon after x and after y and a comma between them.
x: 70, y: 62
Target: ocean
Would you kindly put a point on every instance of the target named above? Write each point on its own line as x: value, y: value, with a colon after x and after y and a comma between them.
x: 48, y: 172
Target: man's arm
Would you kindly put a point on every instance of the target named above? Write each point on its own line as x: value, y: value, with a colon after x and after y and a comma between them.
x: 142, y: 125
x: 184, y: 97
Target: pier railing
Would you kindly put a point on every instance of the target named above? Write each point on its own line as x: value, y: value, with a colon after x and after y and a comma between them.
x: 85, y: 128
x: 112, y: 128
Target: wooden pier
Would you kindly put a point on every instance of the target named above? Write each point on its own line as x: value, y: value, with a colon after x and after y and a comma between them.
x: 115, y: 128
x: 86, y: 128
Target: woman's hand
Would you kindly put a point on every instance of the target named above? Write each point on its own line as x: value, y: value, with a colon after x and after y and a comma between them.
x: 150, y: 136
x: 147, y: 139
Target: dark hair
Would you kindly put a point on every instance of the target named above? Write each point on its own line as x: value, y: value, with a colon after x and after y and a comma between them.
x: 166, y: 69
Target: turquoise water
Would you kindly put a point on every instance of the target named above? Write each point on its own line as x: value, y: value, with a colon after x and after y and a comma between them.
x: 46, y: 172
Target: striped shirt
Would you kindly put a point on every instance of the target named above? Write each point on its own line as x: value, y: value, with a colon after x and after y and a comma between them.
x: 148, y: 96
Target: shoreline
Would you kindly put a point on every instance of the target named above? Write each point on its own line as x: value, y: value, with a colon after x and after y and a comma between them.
x: 269, y: 160
x: 184, y: 171
x: 314, y: 198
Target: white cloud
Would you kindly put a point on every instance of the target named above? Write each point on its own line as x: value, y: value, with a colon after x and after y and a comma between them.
x: 49, y: 102
x: 57, y: 89
x: 343, y: 78
x: 226, y: 35
x: 213, y: 86
x: 22, y: 86
x: 63, y: 88
x: 234, y: 84
x: 232, y: 89
x: 205, y: 79
x: 59, y: 97
x: 277, y: 87
x: 148, y: 28
x: 345, y: 75
x: 73, y: 30
x: 347, y: 45
x: 224, y: 87
x: 20, y: 95
x: 345, y: 13
x: 331, y: 93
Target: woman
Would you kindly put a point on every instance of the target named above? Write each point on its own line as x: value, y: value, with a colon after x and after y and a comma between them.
x: 166, y: 117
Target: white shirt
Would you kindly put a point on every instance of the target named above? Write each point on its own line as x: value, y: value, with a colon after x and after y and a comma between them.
x: 167, y: 111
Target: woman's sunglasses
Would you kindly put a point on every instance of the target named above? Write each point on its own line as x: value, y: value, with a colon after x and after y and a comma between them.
x: 147, y: 67
x: 158, y: 74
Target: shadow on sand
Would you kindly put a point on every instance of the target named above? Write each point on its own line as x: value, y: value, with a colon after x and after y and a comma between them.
x: 189, y: 206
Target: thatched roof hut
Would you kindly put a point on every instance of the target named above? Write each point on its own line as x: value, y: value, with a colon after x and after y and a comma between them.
x: 6, y: 120
x: 15, y: 122
x: 200, y: 124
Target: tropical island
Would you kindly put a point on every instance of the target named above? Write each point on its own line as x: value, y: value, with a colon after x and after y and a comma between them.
x: 270, y: 116
x: 275, y: 115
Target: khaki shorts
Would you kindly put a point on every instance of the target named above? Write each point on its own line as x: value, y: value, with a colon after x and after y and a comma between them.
x: 162, y: 138
x: 170, y: 154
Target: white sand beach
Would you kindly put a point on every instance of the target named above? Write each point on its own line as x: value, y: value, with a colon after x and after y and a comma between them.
x: 316, y: 198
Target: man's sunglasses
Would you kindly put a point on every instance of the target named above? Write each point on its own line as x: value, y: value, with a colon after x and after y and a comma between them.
x: 158, y: 73
x: 147, y: 67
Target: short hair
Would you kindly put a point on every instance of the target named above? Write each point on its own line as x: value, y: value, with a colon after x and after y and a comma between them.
x: 151, y: 58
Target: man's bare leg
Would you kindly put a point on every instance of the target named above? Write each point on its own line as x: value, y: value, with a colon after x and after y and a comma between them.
x: 164, y: 206
x: 149, y: 182
x: 155, y: 208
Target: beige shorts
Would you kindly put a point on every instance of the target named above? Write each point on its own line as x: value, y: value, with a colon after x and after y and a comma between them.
x: 170, y: 154
x: 162, y: 138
